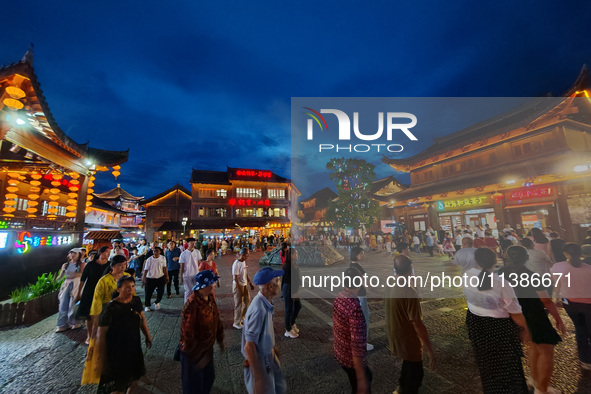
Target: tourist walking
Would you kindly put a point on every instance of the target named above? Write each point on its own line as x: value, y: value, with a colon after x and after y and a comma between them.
x: 155, y: 277
x: 406, y: 331
x: 119, y: 341
x: 172, y: 255
x: 290, y: 285
x: 535, y: 303
x: 209, y: 264
x: 240, y: 280
x: 495, y: 326
x: 142, y: 250
x: 350, y: 333
x: 189, y: 266
x: 574, y: 290
x: 262, y: 372
x: 71, y: 271
x: 91, y: 274
x: 201, y: 327
x: 357, y: 256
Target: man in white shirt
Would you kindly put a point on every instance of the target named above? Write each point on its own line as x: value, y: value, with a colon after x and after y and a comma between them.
x: 464, y: 258
x: 189, y: 263
x: 240, y: 280
x: 480, y: 231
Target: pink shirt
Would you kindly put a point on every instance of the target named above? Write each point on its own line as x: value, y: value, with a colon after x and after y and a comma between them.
x: 580, y: 278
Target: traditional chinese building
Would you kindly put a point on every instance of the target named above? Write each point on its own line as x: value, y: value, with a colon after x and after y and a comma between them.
x: 165, y: 213
x: 312, y: 212
x: 251, y: 200
x: 131, y: 213
x: 527, y: 167
x: 45, y: 177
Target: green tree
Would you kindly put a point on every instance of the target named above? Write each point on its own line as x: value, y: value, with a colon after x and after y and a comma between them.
x: 354, y: 207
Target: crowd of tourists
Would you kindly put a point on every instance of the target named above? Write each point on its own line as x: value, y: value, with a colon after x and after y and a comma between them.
x: 500, y: 319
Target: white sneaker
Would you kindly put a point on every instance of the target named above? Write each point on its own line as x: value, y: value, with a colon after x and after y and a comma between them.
x: 290, y: 334
x: 369, y: 347
x: 147, y: 309
x: 237, y: 326
x: 295, y: 329
x: 155, y: 306
x: 62, y: 329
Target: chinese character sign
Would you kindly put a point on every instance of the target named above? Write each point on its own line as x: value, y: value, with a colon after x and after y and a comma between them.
x: 25, y: 241
x: 462, y: 203
x: 526, y: 194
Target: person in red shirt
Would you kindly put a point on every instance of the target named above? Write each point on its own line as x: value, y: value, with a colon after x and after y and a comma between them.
x: 490, y: 242
x: 350, y: 333
x: 478, y: 242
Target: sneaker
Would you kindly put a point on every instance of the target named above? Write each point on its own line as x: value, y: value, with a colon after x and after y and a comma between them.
x: 147, y: 309
x: 62, y: 329
x: 76, y: 326
x: 369, y: 347
x: 291, y: 334
x: 155, y: 306
x: 237, y: 326
x: 295, y: 329
x: 586, y: 366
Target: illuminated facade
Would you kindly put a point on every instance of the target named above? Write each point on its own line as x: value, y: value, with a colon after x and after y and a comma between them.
x: 530, y: 167
x: 242, y: 199
x: 165, y: 212
x: 46, y: 179
x: 129, y: 214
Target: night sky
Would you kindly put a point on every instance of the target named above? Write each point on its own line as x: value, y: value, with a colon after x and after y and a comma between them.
x: 205, y: 85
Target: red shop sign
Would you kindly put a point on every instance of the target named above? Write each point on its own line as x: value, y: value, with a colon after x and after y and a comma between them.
x: 529, y: 193
x: 248, y: 202
x: 253, y: 173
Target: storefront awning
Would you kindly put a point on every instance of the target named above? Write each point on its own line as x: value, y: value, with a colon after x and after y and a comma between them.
x: 533, y: 204
x: 104, y: 235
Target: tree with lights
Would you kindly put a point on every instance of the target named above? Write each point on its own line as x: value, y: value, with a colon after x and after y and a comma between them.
x: 354, y: 207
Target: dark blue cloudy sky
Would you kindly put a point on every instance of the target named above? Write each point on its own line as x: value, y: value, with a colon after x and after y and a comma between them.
x: 197, y: 84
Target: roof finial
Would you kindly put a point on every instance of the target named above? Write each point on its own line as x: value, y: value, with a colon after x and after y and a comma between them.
x: 119, y: 185
x: 28, y: 57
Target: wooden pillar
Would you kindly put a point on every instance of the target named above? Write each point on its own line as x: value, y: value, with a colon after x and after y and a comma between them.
x: 564, y: 222
x: 500, y: 214
x: 81, y: 207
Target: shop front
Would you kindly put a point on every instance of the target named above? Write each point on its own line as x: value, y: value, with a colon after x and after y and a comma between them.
x: 533, y: 206
x: 470, y: 210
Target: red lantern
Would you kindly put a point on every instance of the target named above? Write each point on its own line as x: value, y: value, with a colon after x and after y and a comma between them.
x: 497, y: 197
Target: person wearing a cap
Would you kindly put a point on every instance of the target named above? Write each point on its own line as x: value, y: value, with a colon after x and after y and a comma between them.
x: 189, y: 263
x: 262, y: 372
x: 72, y: 271
x: 201, y: 327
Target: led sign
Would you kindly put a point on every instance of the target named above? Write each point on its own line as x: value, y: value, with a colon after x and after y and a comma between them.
x: 461, y: 203
x: 24, y: 241
x: 248, y: 202
x: 526, y: 194
x: 254, y: 173
x: 3, y: 240
x: 3, y: 224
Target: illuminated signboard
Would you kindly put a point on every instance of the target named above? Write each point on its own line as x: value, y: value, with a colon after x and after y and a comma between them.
x: 248, y: 202
x: 529, y: 193
x: 3, y: 240
x: 254, y: 174
x: 24, y: 241
x: 467, y: 202
x: 3, y: 224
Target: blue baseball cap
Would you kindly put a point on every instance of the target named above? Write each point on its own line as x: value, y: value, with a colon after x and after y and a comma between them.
x: 204, y: 279
x: 265, y: 275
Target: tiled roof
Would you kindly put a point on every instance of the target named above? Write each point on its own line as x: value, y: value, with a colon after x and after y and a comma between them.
x: 494, y: 175
x: 164, y: 193
x: 117, y: 193
x: 322, y: 197
x: 210, y: 177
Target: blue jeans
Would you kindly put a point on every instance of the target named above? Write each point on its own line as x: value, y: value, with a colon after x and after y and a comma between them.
x: 580, y: 314
x: 66, y: 310
x: 196, y: 380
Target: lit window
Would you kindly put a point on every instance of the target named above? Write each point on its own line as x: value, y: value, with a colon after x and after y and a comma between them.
x: 276, y: 193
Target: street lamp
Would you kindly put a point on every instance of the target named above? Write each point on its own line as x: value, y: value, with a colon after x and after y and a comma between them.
x: 184, y: 223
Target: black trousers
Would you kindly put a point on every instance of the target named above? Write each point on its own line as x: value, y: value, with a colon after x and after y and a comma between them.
x: 196, y: 380
x: 353, y: 377
x: 154, y: 284
x: 173, y: 275
x: 292, y: 306
x: 411, y: 377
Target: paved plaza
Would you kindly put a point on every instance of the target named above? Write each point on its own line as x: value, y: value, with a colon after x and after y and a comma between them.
x: 37, y: 360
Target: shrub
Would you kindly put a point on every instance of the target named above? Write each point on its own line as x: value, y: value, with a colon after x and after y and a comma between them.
x: 46, y: 284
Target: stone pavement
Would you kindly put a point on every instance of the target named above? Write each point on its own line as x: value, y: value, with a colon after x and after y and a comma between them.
x: 37, y: 360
